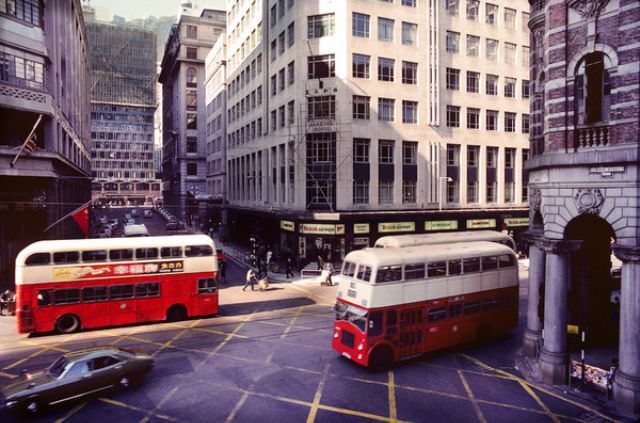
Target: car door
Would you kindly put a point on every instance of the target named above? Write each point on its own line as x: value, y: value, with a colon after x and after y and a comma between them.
x: 106, y: 371
x: 73, y: 382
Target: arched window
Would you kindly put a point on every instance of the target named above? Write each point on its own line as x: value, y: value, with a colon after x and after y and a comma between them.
x: 192, y: 77
x: 592, y: 89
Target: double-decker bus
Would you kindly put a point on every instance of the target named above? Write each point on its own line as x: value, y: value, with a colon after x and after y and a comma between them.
x: 66, y: 285
x: 443, y: 238
x: 396, y: 303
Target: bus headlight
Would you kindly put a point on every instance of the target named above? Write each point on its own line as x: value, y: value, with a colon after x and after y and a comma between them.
x: 336, y: 334
x: 360, y: 347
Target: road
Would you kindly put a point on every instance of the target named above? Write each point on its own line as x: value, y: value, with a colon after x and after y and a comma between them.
x: 267, y: 357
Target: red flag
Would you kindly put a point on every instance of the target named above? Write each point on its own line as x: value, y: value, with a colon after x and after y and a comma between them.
x: 81, y: 216
x: 31, y: 145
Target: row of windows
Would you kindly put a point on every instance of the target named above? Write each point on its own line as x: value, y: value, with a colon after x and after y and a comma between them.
x: 92, y: 294
x: 418, y: 271
x: 246, y: 104
x: 279, y: 119
x: 26, y: 10
x: 491, y: 119
x: 491, y: 83
x: 66, y: 257
x: 124, y: 186
x: 360, y: 28
x: 278, y: 10
x: 278, y: 79
x: 491, y: 47
x: 385, y: 192
x: 491, y: 13
x: 247, y: 133
x: 246, y: 75
x: 361, y: 68
x: 283, y: 39
x: 361, y: 109
x: 103, y: 174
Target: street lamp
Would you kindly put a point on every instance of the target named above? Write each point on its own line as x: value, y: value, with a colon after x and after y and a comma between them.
x: 441, y: 189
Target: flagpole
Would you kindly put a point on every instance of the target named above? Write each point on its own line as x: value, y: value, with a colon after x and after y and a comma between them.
x: 66, y: 215
x: 15, y: 159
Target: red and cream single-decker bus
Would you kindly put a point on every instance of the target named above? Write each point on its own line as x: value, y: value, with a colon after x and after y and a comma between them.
x: 66, y: 285
x: 413, y: 240
x: 396, y: 303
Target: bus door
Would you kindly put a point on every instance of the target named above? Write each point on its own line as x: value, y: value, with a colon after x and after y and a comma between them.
x: 410, y: 336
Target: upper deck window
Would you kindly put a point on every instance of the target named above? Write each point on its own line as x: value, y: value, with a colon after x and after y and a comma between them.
x: 38, y: 259
x: 364, y: 273
x: 349, y: 268
x: 198, y: 250
x: 389, y: 274
x: 63, y: 257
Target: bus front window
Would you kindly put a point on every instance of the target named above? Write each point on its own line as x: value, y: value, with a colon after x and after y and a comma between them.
x: 354, y: 315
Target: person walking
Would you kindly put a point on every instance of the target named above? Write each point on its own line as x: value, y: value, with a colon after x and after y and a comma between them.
x: 251, y: 279
x: 288, y: 265
x: 268, y: 256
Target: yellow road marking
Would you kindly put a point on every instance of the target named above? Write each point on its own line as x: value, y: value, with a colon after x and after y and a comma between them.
x: 291, y: 323
x: 537, y: 399
x: 42, y: 349
x: 218, y: 332
x: 164, y: 399
x: 393, y: 412
x: 134, y: 408
x: 472, y: 398
x: 72, y: 412
x: 311, y: 417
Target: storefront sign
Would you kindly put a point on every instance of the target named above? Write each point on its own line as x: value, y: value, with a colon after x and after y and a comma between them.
x: 396, y: 227
x: 321, y: 229
x: 361, y: 241
x: 516, y: 221
x: 360, y: 228
x: 441, y: 225
x: 481, y: 223
x: 326, y: 216
x: 287, y: 225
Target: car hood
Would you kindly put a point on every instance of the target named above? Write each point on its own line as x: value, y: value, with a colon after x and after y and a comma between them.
x: 25, y: 382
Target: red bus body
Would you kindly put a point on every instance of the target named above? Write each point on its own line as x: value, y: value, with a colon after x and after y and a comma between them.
x: 404, y: 317
x: 112, y: 292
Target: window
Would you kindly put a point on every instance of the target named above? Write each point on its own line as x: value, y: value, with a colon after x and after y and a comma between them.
x: 291, y: 34
x: 116, y: 255
x: 150, y: 289
x: 525, y: 56
x: 410, y: 3
x: 361, y: 150
x: 409, y: 72
x: 119, y: 292
x: 492, y: 84
x: 385, y: 192
x: 94, y: 255
x: 192, y: 53
x: 453, y: 116
x: 385, y: 69
x: 192, y: 169
x: 360, y: 192
x: 473, y: 118
x: 473, y: 151
x: 408, y: 192
x: 473, y: 82
x: 389, y: 274
x: 509, y: 18
x: 192, y: 100
x: 170, y: 252
x: 491, y: 13
x: 66, y: 257
x: 473, y: 45
x: 592, y: 89
x: 525, y: 22
x: 385, y: 29
x: 25, y: 10
x: 509, y: 192
x: 492, y: 120
x: 322, y: 66
x: 472, y: 9
x: 360, y: 66
x: 409, y: 33
x: 492, y: 157
x: 206, y: 286
x: 509, y: 87
x: 360, y: 25
x: 281, y: 79
x: 198, y: 250
x: 453, y: 79
x: 453, y: 42
x: 146, y: 253
x: 492, y: 49
x: 321, y: 25
x: 192, y: 77
x: 509, y: 122
x: 273, y: 15
x: 525, y: 123
x: 95, y: 293
x: 453, y: 155
x: 322, y: 107
x: 290, y: 111
x: 192, y: 121
x: 192, y: 31
x: 409, y: 111
x: 385, y: 151
x: 414, y: 271
x: 291, y: 70
x: 436, y: 269
x: 274, y: 46
x: 361, y: 107
x: 66, y: 296
x: 37, y: 259
x: 281, y: 42
x: 192, y: 144
x: 492, y: 188
x: 471, y: 265
x: 386, y: 110
x: 274, y: 120
x: 281, y: 8
x: 452, y: 7
x: 509, y: 53
x: 506, y: 260
x: 409, y: 152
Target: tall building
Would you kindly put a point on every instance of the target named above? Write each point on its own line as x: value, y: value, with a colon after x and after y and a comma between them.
x: 216, y: 129
x: 352, y: 120
x: 182, y: 77
x: 44, y: 70
x: 123, y: 104
x: 583, y: 180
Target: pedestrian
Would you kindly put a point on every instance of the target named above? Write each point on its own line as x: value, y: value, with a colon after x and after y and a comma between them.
x: 251, y: 279
x: 611, y: 376
x: 268, y: 256
x: 326, y: 274
x: 223, y: 270
x: 7, y: 302
x: 288, y: 266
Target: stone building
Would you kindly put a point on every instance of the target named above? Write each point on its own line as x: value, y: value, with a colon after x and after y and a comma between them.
x: 44, y: 70
x: 583, y: 181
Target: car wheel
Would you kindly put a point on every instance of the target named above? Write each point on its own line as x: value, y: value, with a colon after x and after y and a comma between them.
x: 68, y: 323
x: 33, y: 406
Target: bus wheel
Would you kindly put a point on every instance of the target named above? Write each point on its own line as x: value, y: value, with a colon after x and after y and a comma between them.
x: 483, y: 334
x: 68, y: 323
x: 381, y: 359
x: 176, y: 312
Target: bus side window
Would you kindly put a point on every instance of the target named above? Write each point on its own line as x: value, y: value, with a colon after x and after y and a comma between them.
x: 146, y: 253
x: 436, y: 314
x: 438, y: 268
x: 63, y: 257
x: 455, y: 267
x: 118, y: 292
x: 414, y: 271
x: 472, y: 307
x: 38, y: 259
x: 66, y: 296
x: 171, y: 252
x: 455, y: 310
x: 94, y: 293
x: 126, y: 254
x: 44, y: 298
x: 198, y: 250
x: 506, y: 260
x: 392, y: 317
x: 206, y: 286
x: 375, y: 324
x: 97, y: 255
x: 489, y: 263
x: 471, y: 265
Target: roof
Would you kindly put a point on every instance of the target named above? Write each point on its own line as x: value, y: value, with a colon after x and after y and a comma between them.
x: 439, y: 237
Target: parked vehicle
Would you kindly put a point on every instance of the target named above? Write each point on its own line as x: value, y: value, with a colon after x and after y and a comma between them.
x: 74, y: 375
x: 147, y: 214
x: 135, y: 212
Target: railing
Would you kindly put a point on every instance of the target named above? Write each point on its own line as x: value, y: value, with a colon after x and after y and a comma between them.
x: 591, y: 136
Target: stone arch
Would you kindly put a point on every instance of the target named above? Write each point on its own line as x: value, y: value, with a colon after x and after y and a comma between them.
x: 609, y: 53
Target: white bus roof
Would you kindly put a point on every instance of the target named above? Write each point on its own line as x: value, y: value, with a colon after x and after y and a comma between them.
x: 109, y: 243
x: 439, y: 238
x: 377, y: 257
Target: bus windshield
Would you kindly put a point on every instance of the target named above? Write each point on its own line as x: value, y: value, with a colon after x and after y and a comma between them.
x: 352, y: 314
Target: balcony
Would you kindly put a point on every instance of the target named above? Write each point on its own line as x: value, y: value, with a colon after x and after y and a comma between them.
x: 591, y: 136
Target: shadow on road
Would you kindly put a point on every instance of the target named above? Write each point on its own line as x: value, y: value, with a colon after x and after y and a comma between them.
x: 272, y: 305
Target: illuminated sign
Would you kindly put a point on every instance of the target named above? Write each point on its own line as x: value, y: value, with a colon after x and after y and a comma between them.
x: 441, y: 225
x: 481, y: 223
x: 321, y: 229
x: 396, y: 227
x: 360, y: 228
x: 287, y: 225
x: 516, y: 221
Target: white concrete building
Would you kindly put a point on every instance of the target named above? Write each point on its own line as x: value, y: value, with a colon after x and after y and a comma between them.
x: 348, y: 120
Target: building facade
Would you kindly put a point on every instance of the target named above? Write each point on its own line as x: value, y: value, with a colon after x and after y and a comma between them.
x: 182, y: 77
x: 352, y: 120
x: 44, y: 71
x: 583, y: 182
x: 123, y: 104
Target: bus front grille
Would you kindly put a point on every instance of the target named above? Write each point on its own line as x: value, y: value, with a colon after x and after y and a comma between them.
x: 348, y: 339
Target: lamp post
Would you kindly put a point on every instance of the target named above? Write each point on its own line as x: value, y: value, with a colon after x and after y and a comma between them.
x: 441, y: 188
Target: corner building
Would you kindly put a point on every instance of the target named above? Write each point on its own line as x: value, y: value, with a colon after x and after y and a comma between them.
x: 350, y: 120
x: 583, y: 183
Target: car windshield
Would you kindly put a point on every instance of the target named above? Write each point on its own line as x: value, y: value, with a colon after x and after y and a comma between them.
x: 351, y: 314
x: 58, y: 366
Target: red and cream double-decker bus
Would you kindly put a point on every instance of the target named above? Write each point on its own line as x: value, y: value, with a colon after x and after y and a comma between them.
x: 396, y: 303
x: 65, y: 285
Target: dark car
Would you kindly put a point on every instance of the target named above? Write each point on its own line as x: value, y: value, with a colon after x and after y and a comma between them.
x: 74, y: 375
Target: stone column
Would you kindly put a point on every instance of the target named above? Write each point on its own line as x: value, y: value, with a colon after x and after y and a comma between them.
x: 533, y: 333
x: 554, y: 358
x: 626, y: 388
